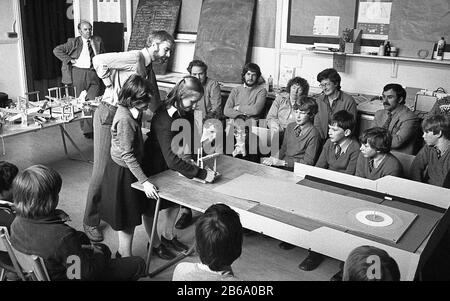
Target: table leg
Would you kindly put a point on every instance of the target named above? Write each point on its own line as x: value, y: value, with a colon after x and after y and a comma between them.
x: 149, y: 251
x: 63, y: 140
x: 64, y: 133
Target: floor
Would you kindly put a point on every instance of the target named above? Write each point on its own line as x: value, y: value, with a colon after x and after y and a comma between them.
x: 261, y: 257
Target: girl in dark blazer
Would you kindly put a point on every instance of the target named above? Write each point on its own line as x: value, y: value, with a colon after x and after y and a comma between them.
x: 159, y: 154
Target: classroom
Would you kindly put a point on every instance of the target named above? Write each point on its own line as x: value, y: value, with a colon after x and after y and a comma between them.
x: 217, y: 140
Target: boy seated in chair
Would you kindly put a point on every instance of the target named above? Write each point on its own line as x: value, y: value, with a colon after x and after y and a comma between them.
x: 302, y: 141
x: 376, y: 160
x: 432, y: 164
x: 367, y: 263
x: 218, y: 238
x: 341, y: 150
x: 339, y: 153
x: 40, y: 229
x: 8, y: 172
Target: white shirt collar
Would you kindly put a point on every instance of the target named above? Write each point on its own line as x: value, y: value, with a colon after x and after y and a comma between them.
x: 134, y: 112
x: 171, y: 111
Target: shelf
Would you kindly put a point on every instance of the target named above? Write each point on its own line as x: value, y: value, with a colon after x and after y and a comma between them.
x: 393, y: 59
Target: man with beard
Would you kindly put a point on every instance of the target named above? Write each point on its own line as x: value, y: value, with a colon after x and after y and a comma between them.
x: 400, y: 122
x: 332, y: 100
x: 114, y: 69
x: 246, y: 102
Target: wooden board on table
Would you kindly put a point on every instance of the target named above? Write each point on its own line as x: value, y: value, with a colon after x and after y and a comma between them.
x: 318, y: 205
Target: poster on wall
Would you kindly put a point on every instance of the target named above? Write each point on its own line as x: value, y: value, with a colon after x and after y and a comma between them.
x: 374, y: 19
x: 108, y: 10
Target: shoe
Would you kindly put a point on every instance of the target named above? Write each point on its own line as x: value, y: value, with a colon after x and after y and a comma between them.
x: 89, y: 135
x: 184, y: 220
x: 311, y: 262
x: 285, y: 246
x: 338, y: 276
x: 93, y: 233
x: 162, y: 252
x: 174, y: 244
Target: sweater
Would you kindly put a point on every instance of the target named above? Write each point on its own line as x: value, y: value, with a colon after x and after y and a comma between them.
x: 251, y: 101
x: 390, y: 166
x: 127, y: 144
x: 303, y: 149
x: 345, y: 163
x: 428, y: 168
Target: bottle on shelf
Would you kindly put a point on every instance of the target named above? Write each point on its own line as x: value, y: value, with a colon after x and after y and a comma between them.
x: 270, y: 83
x: 440, y: 49
x: 387, y: 48
x: 381, y: 50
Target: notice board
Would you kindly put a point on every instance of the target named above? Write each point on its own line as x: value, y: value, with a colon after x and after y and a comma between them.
x: 223, y: 37
x: 154, y: 15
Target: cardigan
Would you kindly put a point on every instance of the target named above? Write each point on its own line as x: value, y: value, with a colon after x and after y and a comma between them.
x: 428, y: 168
x: 390, y: 166
x: 345, y: 163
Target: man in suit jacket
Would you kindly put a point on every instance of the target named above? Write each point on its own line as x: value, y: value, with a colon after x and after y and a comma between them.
x: 398, y: 119
x: 77, y: 68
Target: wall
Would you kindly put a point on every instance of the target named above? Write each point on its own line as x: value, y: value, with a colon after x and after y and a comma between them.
x: 366, y: 76
x: 12, y: 75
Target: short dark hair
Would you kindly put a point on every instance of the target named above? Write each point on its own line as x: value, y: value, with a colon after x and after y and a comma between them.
x: 307, y: 104
x: 218, y: 236
x: 8, y: 172
x: 437, y: 123
x: 398, y: 89
x: 298, y: 81
x: 36, y: 191
x: 197, y: 63
x: 378, y: 138
x: 136, y: 90
x: 83, y: 22
x: 332, y: 75
x: 356, y: 267
x: 160, y: 36
x: 253, y: 68
x: 344, y: 119
x: 186, y: 87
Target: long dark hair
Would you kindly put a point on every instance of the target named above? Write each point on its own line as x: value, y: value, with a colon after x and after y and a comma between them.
x: 188, y: 86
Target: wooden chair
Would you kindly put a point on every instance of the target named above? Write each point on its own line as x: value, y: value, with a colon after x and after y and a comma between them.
x: 406, y: 162
x: 27, y: 267
x: 5, y: 260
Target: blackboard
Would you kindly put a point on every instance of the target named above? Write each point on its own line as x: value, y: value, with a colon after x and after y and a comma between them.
x: 264, y: 27
x: 112, y: 35
x: 154, y: 15
x: 223, y: 37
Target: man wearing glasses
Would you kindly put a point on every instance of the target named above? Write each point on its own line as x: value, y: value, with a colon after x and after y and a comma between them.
x: 332, y: 100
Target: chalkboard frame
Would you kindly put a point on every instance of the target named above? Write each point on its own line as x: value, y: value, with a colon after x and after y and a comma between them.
x: 310, y: 40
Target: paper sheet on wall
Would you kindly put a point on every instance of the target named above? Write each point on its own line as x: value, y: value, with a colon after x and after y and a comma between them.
x: 326, y: 26
x: 374, y: 19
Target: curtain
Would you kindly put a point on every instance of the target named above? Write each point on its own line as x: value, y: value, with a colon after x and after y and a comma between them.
x: 47, y: 24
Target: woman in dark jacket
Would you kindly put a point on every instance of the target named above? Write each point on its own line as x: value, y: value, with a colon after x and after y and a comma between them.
x: 176, y: 111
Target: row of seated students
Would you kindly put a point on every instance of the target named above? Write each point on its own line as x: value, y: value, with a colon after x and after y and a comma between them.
x: 40, y: 229
x: 321, y: 131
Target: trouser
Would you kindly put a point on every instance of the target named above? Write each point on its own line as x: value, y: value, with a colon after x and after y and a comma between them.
x: 103, y: 118
x: 121, y: 269
x: 86, y: 79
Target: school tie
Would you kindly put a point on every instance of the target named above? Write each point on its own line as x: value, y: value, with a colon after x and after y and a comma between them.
x: 297, y: 130
x: 91, y: 51
x: 388, y: 120
x: 337, y: 151
x: 371, y: 165
x: 438, y: 152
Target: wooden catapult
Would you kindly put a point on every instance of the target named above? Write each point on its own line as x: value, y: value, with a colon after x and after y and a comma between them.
x: 203, y: 161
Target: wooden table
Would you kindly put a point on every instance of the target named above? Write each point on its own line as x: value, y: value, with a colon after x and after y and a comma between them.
x: 14, y: 130
x: 282, y: 225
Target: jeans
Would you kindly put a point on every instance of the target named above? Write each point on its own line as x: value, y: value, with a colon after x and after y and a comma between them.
x: 103, y: 118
